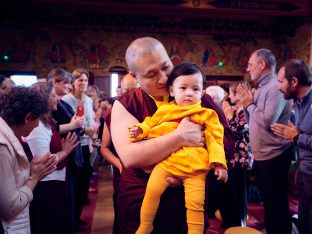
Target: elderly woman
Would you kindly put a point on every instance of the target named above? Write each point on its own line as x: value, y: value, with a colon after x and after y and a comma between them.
x: 216, y: 93
x: 18, y: 117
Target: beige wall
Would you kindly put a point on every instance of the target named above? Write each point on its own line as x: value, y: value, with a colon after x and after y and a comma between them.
x: 40, y: 50
x: 299, y: 46
x: 43, y: 49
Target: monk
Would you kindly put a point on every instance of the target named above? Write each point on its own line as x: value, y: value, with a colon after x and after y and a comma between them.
x: 149, y: 63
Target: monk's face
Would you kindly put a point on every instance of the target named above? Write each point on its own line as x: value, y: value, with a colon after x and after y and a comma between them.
x: 152, y: 70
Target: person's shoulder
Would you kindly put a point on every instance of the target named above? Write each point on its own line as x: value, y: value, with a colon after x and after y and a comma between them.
x: 134, y: 92
x: 107, y: 112
x: 271, y: 88
x: 309, y: 95
x: 134, y: 96
x: 41, y: 131
x: 88, y: 99
x: 207, y: 101
x: 67, y: 97
x: 64, y: 103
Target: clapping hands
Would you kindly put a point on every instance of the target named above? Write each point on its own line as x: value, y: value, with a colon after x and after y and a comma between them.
x: 39, y: 168
x: 244, y: 95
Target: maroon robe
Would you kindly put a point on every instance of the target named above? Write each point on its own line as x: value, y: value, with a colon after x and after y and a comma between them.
x: 116, y: 173
x: 171, y: 214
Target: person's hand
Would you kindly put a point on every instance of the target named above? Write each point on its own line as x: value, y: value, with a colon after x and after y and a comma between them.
x: 221, y: 172
x: 191, y: 134
x: 174, y: 181
x: 228, y: 110
x: 96, y: 142
x: 288, y: 132
x: 69, y: 143
x: 39, y: 168
x: 244, y: 95
x: 90, y: 132
x: 134, y: 131
x: 77, y: 121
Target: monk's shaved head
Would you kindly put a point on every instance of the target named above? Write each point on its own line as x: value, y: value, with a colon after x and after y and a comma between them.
x: 140, y: 47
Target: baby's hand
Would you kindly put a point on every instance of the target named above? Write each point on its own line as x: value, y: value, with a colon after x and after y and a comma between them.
x: 221, y: 173
x: 134, y: 131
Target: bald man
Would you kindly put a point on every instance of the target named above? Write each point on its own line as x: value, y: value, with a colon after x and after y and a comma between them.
x: 150, y: 64
x: 127, y: 83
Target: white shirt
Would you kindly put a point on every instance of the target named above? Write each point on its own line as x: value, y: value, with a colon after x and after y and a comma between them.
x: 39, y: 143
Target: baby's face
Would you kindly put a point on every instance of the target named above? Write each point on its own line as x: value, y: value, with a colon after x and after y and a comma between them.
x: 187, y: 89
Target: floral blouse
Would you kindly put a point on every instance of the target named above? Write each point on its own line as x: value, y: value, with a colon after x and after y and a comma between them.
x: 243, y: 156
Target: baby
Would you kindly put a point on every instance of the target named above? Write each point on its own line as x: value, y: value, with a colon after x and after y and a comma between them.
x: 191, y: 164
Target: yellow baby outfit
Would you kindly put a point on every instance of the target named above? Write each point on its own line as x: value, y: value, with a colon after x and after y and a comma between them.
x: 187, y: 160
x: 191, y: 164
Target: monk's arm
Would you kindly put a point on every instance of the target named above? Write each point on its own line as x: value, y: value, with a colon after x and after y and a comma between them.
x: 148, y: 152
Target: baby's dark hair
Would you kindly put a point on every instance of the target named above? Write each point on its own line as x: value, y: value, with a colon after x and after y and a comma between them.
x: 184, y: 69
x: 18, y: 102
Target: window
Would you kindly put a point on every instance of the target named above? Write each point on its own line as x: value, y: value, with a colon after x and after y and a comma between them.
x: 24, y: 80
x: 113, y: 84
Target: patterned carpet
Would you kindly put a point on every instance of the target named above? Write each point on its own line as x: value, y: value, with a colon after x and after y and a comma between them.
x: 255, y: 217
x: 88, y: 209
x: 255, y: 212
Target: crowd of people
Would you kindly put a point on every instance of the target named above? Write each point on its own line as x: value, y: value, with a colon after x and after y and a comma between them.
x: 179, y: 152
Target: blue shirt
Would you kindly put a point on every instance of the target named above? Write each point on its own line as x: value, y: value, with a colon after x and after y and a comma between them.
x: 269, y: 107
x: 303, y: 113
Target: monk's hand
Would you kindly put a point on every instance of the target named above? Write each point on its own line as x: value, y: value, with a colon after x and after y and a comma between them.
x: 174, y: 181
x: 190, y: 134
x: 288, y: 132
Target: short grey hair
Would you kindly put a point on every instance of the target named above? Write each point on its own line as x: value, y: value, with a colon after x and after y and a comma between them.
x: 217, y: 92
x: 268, y: 57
